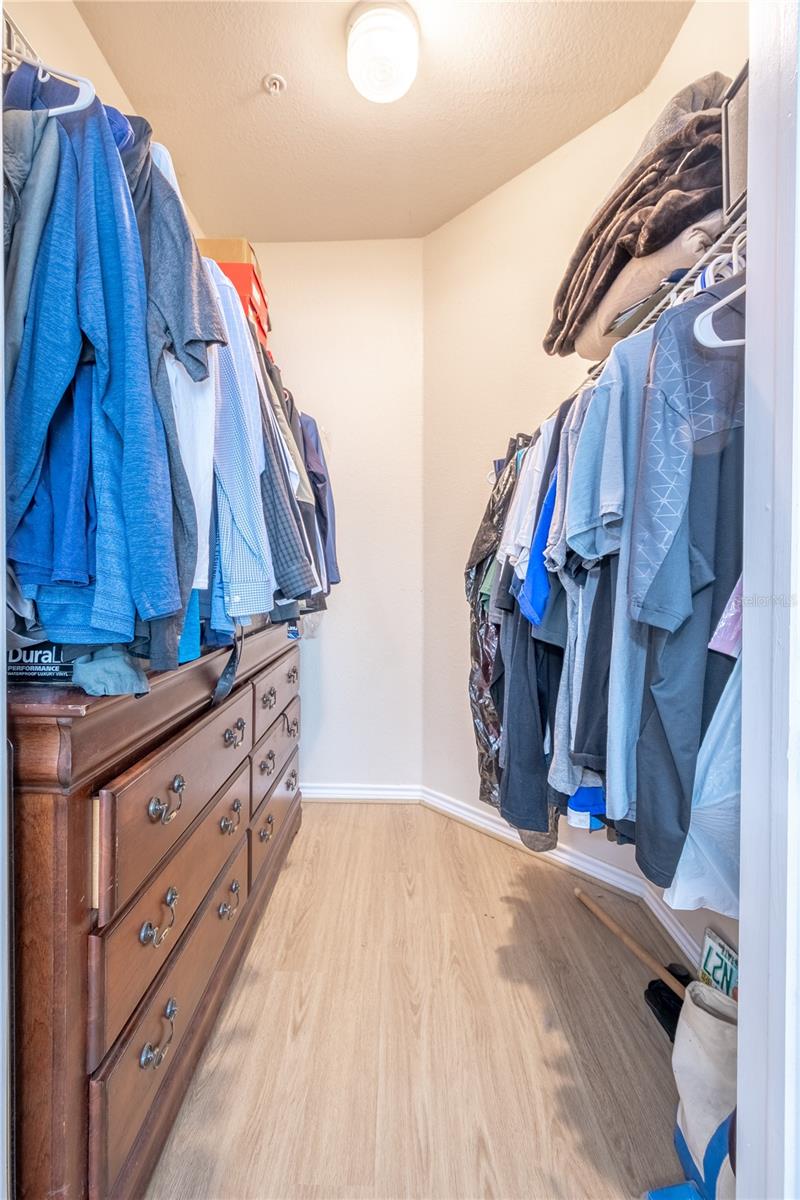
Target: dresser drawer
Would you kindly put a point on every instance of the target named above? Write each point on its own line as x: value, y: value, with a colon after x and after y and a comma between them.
x: 143, y: 812
x: 272, y: 752
x: 271, y: 816
x: 123, y: 1090
x: 275, y: 689
x: 128, y: 953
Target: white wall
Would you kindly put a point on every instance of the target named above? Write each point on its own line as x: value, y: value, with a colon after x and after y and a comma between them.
x: 61, y: 38
x: 347, y: 335
x: 490, y: 276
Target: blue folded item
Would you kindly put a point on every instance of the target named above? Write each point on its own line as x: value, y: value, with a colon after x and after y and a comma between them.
x: 189, y: 645
x: 535, y: 592
x: 588, y: 799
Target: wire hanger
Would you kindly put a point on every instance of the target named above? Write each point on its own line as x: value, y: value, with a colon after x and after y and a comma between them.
x: 86, y: 92
x: 704, y: 331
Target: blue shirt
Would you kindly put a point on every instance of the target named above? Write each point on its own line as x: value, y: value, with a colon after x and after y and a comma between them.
x: 88, y: 302
x: 244, y: 562
x: 320, y: 481
x: 55, y: 541
x: 535, y: 592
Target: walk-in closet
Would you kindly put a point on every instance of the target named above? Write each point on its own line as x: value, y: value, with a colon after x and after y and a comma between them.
x: 402, y: 444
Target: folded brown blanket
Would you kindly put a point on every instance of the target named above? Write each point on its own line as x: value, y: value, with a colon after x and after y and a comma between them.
x: 678, y: 183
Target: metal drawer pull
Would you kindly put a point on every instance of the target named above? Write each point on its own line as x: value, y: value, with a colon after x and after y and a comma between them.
x: 226, y: 824
x: 291, y: 675
x: 292, y: 727
x: 153, y: 1056
x: 265, y: 834
x: 148, y: 934
x: 270, y: 698
x: 267, y: 765
x: 291, y: 780
x: 230, y: 736
x: 226, y: 910
x: 159, y: 810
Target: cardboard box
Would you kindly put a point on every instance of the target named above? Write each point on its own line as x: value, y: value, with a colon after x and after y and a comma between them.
x: 231, y: 249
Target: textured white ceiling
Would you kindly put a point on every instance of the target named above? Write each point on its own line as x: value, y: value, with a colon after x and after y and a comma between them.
x: 500, y: 85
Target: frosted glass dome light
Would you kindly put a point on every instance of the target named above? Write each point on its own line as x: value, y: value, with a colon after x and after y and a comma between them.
x: 382, y: 51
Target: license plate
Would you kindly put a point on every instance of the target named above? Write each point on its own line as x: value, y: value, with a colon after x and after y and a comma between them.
x: 720, y: 965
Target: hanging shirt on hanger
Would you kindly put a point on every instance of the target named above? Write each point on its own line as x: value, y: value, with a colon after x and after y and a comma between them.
x: 291, y: 556
x: 319, y: 475
x: 97, y: 299
x: 622, y: 380
x: 31, y: 155
x: 687, y: 558
x: 194, y: 404
x: 183, y: 324
x: 247, y: 578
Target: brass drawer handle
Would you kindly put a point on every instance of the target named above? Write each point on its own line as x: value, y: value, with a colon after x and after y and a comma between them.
x: 267, y: 764
x: 226, y: 910
x: 226, y: 824
x: 291, y: 780
x: 292, y: 675
x: 148, y: 934
x: 153, y: 1056
x: 234, y: 736
x: 270, y: 698
x: 292, y: 727
x: 159, y: 810
x: 266, y: 833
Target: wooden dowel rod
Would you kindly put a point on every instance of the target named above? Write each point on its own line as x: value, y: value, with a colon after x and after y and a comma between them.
x: 635, y: 948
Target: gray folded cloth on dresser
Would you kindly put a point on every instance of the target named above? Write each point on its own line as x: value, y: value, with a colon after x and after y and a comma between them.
x: 109, y: 671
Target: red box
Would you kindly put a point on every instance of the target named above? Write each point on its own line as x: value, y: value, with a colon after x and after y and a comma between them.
x: 246, y: 280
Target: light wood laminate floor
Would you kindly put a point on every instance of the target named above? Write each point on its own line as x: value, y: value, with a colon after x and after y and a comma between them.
x: 424, y: 1013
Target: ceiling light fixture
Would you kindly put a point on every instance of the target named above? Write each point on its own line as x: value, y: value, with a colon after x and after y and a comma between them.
x: 382, y: 50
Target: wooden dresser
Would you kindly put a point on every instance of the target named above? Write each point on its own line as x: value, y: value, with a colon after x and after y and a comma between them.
x: 148, y: 834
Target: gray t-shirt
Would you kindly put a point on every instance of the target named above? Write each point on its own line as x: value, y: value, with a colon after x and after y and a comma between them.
x: 687, y: 557
x: 182, y: 317
x: 31, y: 154
x: 692, y: 394
x: 564, y: 776
x: 624, y: 377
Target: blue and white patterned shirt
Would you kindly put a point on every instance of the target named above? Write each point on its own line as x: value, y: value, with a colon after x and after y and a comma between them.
x: 245, y: 559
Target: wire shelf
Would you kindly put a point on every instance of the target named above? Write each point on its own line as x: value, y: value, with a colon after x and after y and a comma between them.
x: 735, y: 232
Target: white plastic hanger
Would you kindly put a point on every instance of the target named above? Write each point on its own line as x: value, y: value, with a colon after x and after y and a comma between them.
x: 704, y: 331
x: 86, y: 92
x: 737, y: 251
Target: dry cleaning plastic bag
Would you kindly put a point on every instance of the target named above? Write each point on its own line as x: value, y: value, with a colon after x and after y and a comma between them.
x: 704, y: 1063
x: 707, y: 875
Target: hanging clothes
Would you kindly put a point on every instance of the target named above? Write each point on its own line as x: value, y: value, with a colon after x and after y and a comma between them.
x: 183, y: 324
x: 619, y: 551
x: 88, y: 302
x: 31, y: 151
x: 483, y: 634
x: 159, y: 493
x: 319, y: 476
x: 686, y: 561
x: 707, y: 874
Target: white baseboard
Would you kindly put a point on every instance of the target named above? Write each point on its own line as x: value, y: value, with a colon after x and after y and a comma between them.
x: 362, y: 793
x: 489, y: 821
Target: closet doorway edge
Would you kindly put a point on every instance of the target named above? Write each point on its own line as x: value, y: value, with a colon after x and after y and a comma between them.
x: 6, y: 943
x: 768, y: 1144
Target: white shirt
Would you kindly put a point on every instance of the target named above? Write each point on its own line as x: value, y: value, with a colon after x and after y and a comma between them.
x: 193, y: 402
x: 527, y: 524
